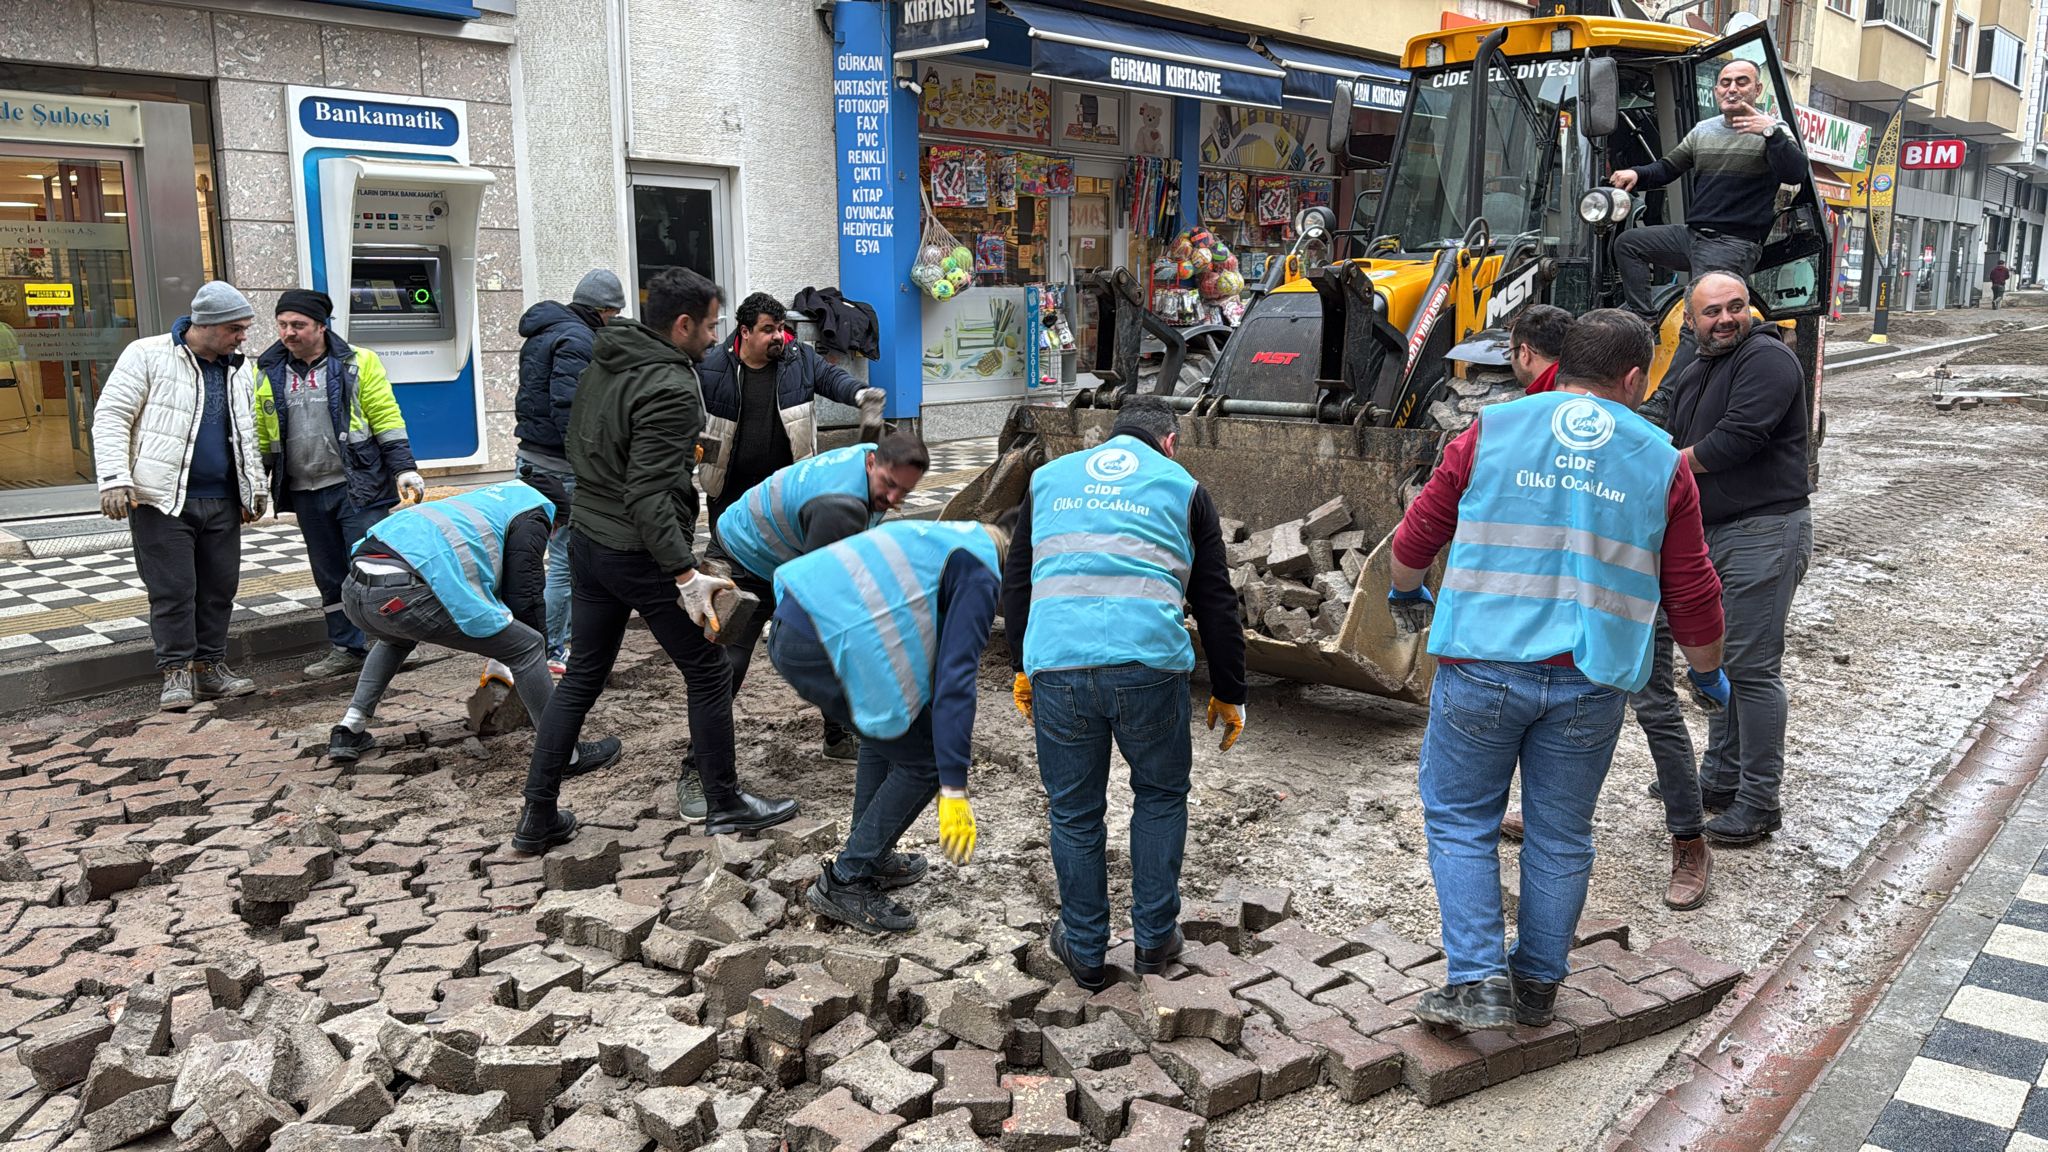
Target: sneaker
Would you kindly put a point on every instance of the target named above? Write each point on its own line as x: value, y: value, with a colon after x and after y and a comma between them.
x: 1692, y: 865
x: 337, y: 662
x: 1742, y: 824
x: 213, y: 680
x: 847, y: 747
x: 177, y: 693
x: 746, y: 812
x: 1482, y: 1005
x: 1090, y: 977
x: 860, y: 905
x: 1153, y: 961
x: 1535, y: 1001
x: 542, y: 828
x: 690, y: 806
x: 345, y: 746
x: 594, y: 756
x: 900, y: 870
x: 557, y: 665
x: 1511, y: 826
x: 1710, y: 800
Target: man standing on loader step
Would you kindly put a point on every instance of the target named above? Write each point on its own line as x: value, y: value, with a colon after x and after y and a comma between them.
x: 1738, y: 159
x: 1569, y: 520
x: 1096, y: 585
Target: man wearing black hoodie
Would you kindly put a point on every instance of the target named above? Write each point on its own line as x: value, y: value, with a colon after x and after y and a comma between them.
x: 633, y: 443
x: 558, y: 348
x: 1738, y: 413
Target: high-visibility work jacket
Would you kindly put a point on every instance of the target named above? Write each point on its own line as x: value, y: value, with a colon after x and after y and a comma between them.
x: 874, y: 599
x: 1560, y: 532
x: 457, y: 546
x: 1110, y: 554
x: 764, y: 529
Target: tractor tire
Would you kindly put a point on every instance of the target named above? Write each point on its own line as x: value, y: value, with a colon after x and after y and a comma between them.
x: 1459, y: 406
x: 1196, y: 367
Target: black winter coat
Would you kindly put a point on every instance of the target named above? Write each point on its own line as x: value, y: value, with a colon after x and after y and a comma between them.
x: 1743, y: 414
x: 558, y: 346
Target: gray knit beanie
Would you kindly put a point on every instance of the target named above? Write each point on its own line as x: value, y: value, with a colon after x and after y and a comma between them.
x: 599, y: 289
x: 219, y: 302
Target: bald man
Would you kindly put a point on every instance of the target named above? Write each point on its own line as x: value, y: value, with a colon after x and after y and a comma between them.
x: 1738, y: 159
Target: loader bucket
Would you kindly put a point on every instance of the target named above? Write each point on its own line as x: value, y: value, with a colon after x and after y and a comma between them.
x: 1263, y: 472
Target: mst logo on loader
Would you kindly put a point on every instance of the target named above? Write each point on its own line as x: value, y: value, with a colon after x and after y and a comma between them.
x: 1507, y: 299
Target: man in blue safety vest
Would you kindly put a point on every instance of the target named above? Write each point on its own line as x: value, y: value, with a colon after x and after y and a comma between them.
x: 469, y: 573
x: 1569, y: 519
x: 801, y: 508
x: 1114, y: 546
x: 883, y: 631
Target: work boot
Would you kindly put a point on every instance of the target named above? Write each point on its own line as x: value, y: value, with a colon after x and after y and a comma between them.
x: 900, y: 870
x: 1090, y: 977
x: 1482, y: 1005
x: 841, y: 745
x: 858, y: 905
x: 214, y: 680
x: 337, y: 662
x: 1535, y: 1000
x: 177, y: 694
x: 690, y: 806
x: 593, y: 756
x: 1153, y: 961
x: 1742, y: 824
x: 541, y: 827
x: 1710, y: 799
x: 746, y: 812
x: 1692, y: 863
x: 1511, y: 827
x: 346, y: 746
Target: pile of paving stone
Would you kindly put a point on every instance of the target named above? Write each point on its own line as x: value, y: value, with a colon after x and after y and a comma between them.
x: 212, y: 941
x: 1296, y: 579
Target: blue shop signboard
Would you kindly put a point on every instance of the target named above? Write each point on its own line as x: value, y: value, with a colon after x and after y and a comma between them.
x: 440, y: 9
x: 1094, y: 48
x: 940, y: 27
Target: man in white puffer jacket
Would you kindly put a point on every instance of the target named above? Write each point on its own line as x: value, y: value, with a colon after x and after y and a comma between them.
x: 174, y: 443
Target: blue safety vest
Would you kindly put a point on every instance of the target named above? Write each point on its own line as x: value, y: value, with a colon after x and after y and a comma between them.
x: 874, y: 599
x: 764, y: 529
x: 1110, y: 555
x: 1560, y: 534
x: 457, y: 546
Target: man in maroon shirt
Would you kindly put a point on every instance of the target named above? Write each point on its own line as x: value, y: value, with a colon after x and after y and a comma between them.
x: 1535, y: 341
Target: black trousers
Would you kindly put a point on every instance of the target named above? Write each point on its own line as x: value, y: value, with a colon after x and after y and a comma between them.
x: 611, y: 586
x: 191, y: 564
x: 739, y: 647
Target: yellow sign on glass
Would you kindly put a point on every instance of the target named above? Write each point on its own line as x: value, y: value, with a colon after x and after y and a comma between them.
x: 49, y: 295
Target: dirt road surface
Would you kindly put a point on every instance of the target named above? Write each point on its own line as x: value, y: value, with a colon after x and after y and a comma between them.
x: 1921, y: 600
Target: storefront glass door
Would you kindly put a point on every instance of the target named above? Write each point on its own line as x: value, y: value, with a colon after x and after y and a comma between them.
x: 680, y: 221
x: 67, y: 308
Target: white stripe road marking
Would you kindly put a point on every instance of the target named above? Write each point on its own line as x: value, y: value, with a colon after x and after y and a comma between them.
x: 1965, y: 1092
x: 2021, y: 1142
x: 2000, y: 1012
x: 2035, y: 888
x: 2016, y: 943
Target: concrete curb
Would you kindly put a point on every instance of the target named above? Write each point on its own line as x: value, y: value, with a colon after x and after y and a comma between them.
x: 33, y: 684
x: 1774, y: 1039
x: 1880, y: 353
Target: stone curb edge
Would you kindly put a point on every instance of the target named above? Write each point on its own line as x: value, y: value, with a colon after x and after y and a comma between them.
x: 31, y: 685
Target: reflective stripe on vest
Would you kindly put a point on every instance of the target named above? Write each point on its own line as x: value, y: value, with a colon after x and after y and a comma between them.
x: 1111, y: 550
x: 884, y: 638
x: 457, y: 545
x: 1559, y: 539
x: 763, y: 529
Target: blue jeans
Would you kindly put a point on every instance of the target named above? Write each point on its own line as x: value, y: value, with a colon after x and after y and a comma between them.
x: 1077, y: 712
x: 893, y: 780
x: 331, y: 524
x: 1561, y: 727
x: 558, y: 595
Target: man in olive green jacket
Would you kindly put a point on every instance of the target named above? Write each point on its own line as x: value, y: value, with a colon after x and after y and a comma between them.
x: 633, y: 443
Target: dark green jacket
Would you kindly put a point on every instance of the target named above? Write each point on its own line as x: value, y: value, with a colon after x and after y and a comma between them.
x: 633, y: 444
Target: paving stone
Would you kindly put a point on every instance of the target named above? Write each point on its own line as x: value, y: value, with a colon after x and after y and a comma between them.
x: 593, y: 1131
x: 941, y: 953
x: 1634, y: 1007
x: 427, y: 1116
x: 1065, y: 1004
x: 1218, y: 961
x: 1683, y: 1001
x: 1287, y: 1007
x: 781, y: 1064
x: 916, y: 1047
x: 1501, y: 1052
x: 945, y: 1132
x: 1120, y: 999
x: 1001, y: 982
x: 1213, y: 922
x: 287, y: 875
x: 729, y: 976
x: 131, y: 1117
x: 1025, y: 1047
x: 588, y: 861
x: 675, y: 1118
x: 1593, y: 928
x: 1356, y: 1065
x: 1158, y: 1128
x: 1105, y: 1042
x: 671, y: 1055
x: 595, y: 919
x: 243, y: 1116
x: 733, y: 921
x: 960, y: 1008
x: 677, y: 951
x: 1400, y: 952
x: 867, y: 971
x: 642, y: 979
x: 1307, y: 977
x: 1363, y: 1007
x: 145, y: 1023
x: 1434, y: 1067
x: 836, y: 1122
x: 534, y: 974
x: 310, y: 1137
x: 116, y: 1072
x: 737, y: 1110
x: 1545, y: 1047
x: 1105, y: 1095
x: 1709, y: 975
x: 1191, y: 1006
x: 60, y: 1052
x: 1041, y: 1114
x: 970, y: 1081
x: 881, y: 1084
x: 426, y: 1059
x: 528, y: 1075
x: 808, y: 1005
x: 1384, y: 980
x: 1633, y: 967
x: 837, y: 1043
x: 111, y: 868
x: 1215, y: 1081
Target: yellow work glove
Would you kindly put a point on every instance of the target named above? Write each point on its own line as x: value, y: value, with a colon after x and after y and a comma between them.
x: 956, y: 825
x: 1233, y: 721
x: 1020, y: 691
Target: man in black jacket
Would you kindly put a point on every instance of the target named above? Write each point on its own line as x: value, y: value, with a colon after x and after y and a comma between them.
x: 1739, y: 415
x: 558, y: 346
x: 633, y: 443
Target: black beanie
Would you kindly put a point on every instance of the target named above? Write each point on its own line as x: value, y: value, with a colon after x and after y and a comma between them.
x: 306, y: 302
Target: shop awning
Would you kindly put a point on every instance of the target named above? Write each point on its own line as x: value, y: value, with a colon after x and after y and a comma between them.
x: 1092, y: 49
x: 1314, y: 73
x: 1837, y: 186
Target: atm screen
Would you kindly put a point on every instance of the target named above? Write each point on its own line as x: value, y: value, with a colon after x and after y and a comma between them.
x: 408, y: 288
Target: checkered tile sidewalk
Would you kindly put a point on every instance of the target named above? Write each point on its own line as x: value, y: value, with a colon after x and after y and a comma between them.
x: 1980, y: 1082
x: 68, y: 603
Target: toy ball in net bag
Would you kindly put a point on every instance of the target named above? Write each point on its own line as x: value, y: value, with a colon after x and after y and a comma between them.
x: 962, y: 256
x: 1202, y: 238
x: 958, y: 278
x: 941, y: 289
x: 1181, y: 248
x: 1200, y: 260
x: 1165, y: 270
x: 1229, y: 283
x: 1210, y: 285
x: 932, y: 254
x: 922, y: 275
x: 1230, y: 263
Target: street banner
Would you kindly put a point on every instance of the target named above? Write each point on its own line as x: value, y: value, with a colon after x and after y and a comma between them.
x: 1884, y: 178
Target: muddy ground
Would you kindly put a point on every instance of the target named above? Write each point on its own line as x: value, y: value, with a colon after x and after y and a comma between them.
x: 1923, y: 598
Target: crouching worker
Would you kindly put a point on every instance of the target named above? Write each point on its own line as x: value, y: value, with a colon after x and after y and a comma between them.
x: 883, y: 631
x: 468, y: 573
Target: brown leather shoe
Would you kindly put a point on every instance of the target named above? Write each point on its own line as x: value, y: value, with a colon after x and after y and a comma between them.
x: 1511, y: 824
x: 1692, y: 863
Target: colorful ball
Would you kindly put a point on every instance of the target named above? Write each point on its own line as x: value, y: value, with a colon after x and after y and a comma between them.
x: 963, y: 256
x: 932, y: 254
x: 941, y: 289
x: 1230, y: 264
x: 1201, y: 259
x: 1203, y: 238
x: 1209, y: 285
x: 1229, y: 283
x: 1184, y: 270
